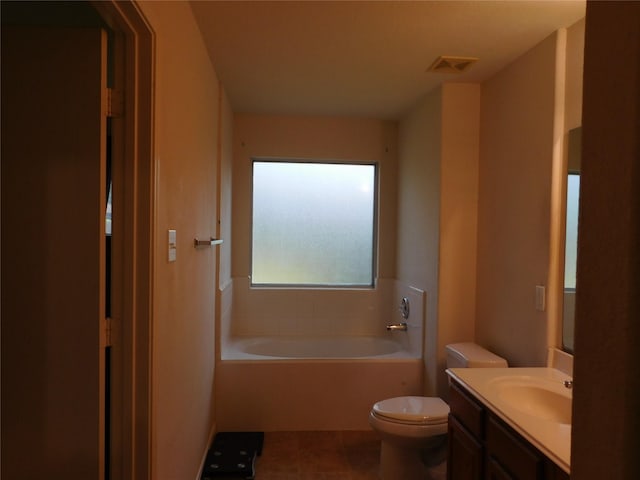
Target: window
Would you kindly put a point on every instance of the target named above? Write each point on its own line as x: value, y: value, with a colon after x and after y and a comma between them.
x: 313, y: 224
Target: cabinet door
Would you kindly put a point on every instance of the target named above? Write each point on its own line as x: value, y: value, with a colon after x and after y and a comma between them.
x: 465, y: 453
x: 496, y: 472
x: 553, y: 472
x: 467, y: 410
x: 513, y: 455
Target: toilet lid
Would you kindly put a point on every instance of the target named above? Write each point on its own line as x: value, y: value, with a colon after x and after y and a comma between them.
x: 422, y: 410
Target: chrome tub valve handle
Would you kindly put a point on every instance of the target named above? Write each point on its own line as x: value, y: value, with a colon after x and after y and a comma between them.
x: 402, y: 327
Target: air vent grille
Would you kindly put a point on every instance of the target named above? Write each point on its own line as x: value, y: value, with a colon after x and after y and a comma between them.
x: 448, y: 64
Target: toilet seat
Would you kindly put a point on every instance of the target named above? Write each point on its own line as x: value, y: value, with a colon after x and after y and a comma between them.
x: 413, y: 410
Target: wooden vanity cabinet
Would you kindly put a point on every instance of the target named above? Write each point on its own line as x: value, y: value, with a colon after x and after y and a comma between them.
x: 482, y: 446
x: 466, y: 431
x: 467, y: 452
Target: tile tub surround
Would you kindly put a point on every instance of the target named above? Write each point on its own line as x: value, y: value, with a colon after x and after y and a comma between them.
x: 551, y: 438
x: 262, y: 311
x: 313, y: 455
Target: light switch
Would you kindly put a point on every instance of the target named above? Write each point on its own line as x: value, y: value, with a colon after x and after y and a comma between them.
x: 540, y: 298
x: 172, y: 246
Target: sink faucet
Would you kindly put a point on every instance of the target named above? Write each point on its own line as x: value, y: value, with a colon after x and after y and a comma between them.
x: 398, y: 326
x: 568, y: 383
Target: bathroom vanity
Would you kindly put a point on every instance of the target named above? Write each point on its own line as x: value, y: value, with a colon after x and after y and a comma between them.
x: 509, y: 424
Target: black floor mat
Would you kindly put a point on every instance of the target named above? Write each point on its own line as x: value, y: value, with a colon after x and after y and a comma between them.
x: 232, y: 455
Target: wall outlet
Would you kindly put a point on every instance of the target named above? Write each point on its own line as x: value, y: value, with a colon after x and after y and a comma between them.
x: 173, y: 248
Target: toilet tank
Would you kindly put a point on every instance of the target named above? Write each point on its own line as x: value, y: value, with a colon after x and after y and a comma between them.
x: 471, y: 355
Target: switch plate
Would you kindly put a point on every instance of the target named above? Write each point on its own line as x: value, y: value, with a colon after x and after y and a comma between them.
x: 173, y: 250
x: 540, y: 298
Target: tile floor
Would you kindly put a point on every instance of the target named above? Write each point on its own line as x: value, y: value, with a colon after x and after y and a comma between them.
x: 342, y: 455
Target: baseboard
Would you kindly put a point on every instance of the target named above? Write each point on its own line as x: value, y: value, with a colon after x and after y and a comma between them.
x: 212, y: 434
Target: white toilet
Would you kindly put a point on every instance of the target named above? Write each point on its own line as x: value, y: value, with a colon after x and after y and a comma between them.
x: 413, y: 429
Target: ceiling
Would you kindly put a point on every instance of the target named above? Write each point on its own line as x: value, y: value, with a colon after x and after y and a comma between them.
x: 364, y: 58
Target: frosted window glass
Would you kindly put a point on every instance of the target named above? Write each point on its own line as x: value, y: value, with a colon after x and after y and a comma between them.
x: 313, y: 224
x: 571, y: 247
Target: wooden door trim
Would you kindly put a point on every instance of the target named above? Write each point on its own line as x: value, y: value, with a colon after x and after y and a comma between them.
x: 134, y: 168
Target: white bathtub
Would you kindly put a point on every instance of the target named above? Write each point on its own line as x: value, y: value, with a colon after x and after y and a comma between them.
x: 300, y: 383
x: 263, y: 348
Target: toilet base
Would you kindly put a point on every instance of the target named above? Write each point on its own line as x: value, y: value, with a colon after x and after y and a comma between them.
x: 400, y: 462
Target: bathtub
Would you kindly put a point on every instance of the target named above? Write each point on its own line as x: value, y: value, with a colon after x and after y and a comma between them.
x: 263, y: 348
x: 301, y: 383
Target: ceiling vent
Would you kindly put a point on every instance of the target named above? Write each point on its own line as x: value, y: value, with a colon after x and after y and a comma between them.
x: 446, y: 64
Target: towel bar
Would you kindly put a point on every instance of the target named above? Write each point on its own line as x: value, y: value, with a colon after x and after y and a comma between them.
x: 206, y: 243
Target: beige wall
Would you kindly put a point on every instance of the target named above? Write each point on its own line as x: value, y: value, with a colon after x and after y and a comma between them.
x: 574, y: 73
x: 527, y: 110
x: 185, y: 151
x: 419, y: 142
x: 224, y: 295
x: 458, y: 219
x: 516, y: 157
x: 475, y: 213
x: 224, y: 184
x: 437, y: 203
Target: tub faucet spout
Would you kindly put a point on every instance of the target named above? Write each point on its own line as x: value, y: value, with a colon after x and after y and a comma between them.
x: 398, y: 326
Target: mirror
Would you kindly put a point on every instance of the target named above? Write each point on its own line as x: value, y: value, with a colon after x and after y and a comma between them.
x: 571, y: 237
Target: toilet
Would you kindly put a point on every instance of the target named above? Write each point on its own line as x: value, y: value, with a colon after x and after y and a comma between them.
x: 413, y: 429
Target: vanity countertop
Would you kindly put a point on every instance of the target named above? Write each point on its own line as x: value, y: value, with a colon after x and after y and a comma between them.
x: 525, y: 398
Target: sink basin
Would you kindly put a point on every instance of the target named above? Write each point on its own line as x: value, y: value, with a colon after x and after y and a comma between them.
x: 545, y: 400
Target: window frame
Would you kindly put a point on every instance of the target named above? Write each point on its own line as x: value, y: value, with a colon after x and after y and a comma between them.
x: 374, y: 231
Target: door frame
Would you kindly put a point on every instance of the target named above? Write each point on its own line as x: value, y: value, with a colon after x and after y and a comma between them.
x: 134, y: 173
